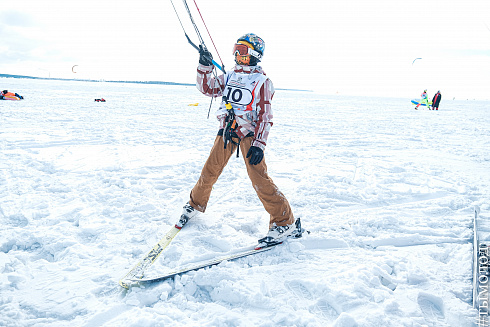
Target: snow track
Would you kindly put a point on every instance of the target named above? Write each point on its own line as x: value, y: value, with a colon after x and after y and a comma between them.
x: 88, y: 188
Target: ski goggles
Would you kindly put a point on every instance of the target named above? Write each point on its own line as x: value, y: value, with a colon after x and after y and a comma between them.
x: 243, y: 50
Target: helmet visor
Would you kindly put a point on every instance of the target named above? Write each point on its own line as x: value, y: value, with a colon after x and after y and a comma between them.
x: 243, y: 50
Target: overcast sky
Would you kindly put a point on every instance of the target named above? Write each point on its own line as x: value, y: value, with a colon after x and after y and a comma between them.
x: 355, y: 47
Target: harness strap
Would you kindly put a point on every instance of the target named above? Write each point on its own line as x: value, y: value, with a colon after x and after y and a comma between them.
x: 229, y: 135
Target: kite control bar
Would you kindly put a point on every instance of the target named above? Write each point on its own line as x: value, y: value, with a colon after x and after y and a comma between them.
x: 197, y: 48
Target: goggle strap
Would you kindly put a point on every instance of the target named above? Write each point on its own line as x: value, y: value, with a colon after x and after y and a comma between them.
x: 254, y: 53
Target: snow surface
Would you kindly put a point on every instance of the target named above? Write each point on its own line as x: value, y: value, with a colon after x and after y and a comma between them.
x: 87, y: 189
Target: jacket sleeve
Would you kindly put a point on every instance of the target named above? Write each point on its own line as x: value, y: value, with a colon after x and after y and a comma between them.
x: 207, y: 84
x: 264, y: 115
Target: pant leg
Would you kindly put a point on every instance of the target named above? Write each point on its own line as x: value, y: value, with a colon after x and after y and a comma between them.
x: 275, y: 203
x: 216, y: 162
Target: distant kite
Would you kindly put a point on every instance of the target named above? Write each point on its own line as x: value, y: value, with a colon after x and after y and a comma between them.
x: 415, y: 59
x: 72, y: 69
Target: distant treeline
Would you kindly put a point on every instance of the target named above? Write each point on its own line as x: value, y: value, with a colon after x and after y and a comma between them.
x: 134, y: 82
x: 92, y: 80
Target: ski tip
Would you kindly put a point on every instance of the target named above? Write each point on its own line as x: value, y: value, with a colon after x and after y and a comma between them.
x: 124, y: 284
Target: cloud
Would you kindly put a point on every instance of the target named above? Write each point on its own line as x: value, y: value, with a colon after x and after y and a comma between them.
x: 22, y: 39
x: 12, y: 17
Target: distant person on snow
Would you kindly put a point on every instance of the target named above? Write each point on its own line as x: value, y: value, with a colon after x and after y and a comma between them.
x: 245, y: 117
x: 6, y: 93
x: 435, y: 100
x: 424, y: 100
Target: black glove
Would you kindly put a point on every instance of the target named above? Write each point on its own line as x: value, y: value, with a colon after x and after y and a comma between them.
x: 256, y: 155
x: 205, y: 57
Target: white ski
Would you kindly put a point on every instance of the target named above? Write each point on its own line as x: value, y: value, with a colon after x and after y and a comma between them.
x: 139, y: 269
x: 203, y: 264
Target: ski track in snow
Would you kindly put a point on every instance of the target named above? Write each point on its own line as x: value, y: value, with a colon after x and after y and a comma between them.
x: 87, y: 188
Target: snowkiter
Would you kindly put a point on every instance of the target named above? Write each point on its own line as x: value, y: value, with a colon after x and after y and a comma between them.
x: 435, y: 100
x: 245, y: 118
x: 7, y: 94
x: 424, y: 100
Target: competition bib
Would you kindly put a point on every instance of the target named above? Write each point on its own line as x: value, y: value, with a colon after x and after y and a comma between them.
x: 240, y: 90
x: 238, y: 95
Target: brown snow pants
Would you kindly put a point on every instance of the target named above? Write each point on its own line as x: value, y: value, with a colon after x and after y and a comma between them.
x: 275, y: 203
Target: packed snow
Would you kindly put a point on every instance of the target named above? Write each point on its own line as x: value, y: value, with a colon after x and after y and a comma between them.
x: 387, y: 193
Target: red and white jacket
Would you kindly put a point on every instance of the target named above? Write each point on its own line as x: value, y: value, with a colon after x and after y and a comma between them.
x: 250, y: 93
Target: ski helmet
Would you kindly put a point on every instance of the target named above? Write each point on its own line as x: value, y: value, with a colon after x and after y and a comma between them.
x: 255, y: 45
